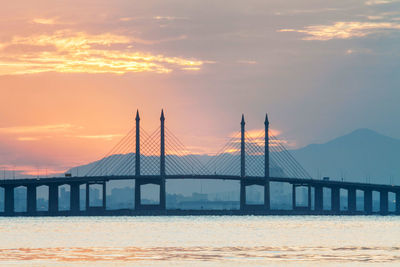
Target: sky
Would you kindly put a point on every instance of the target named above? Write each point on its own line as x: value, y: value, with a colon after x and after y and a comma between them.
x: 73, y: 73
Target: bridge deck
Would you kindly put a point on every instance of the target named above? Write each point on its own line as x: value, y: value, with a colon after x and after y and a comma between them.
x: 255, y: 179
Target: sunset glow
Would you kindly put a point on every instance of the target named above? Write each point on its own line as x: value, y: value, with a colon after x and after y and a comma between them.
x: 80, y: 52
x: 73, y: 75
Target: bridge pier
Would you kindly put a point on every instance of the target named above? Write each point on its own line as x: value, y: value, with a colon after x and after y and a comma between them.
x: 242, y: 195
x: 9, y: 200
x: 294, y: 197
x: 96, y: 209
x: 157, y: 181
x: 74, y: 198
x: 397, y: 210
x: 31, y: 199
x: 87, y: 192
x: 383, y: 202
x: 367, y: 201
x: 104, y: 195
x: 163, y: 195
x: 335, y: 199
x: 53, y: 198
x: 267, y: 196
x: 318, y: 198
x: 351, y: 200
x: 137, y: 195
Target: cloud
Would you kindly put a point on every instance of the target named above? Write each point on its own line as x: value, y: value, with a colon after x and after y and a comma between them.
x: 378, y: 2
x: 29, y: 170
x: 37, y: 129
x: 50, y: 21
x: 67, y: 51
x: 344, y: 30
x: 248, y: 62
x: 169, y: 18
x: 45, y: 21
x: 374, y: 17
x: 107, y: 137
x: 27, y: 138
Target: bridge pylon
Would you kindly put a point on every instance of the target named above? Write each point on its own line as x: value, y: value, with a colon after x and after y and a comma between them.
x: 160, y: 181
x: 246, y: 181
x: 266, y: 164
x: 137, y: 163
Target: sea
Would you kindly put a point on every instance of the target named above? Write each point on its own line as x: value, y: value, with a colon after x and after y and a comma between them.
x: 201, y: 241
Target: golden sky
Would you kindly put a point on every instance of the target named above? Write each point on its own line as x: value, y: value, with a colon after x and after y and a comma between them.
x: 73, y: 73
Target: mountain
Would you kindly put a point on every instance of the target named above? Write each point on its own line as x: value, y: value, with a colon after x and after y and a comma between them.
x: 362, y: 155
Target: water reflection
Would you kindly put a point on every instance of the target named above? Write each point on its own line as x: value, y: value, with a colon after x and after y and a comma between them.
x: 128, y: 254
x: 251, y: 240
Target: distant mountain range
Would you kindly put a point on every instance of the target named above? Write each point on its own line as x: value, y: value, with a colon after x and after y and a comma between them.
x: 362, y: 155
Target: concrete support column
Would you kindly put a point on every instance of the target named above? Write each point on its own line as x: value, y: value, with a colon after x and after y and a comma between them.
x: 398, y: 202
x: 383, y: 202
x: 267, y: 203
x: 87, y: 196
x: 74, y: 198
x: 242, y: 194
x: 137, y: 194
x: 163, y: 204
x: 318, y: 198
x: 293, y: 196
x: 351, y: 200
x: 53, y: 198
x: 9, y: 200
x: 31, y: 199
x: 309, y: 197
x: 335, y: 199
x: 368, y: 201
x: 104, y: 195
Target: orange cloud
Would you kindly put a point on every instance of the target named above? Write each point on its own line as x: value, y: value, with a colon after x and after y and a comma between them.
x: 30, y: 170
x: 378, y: 2
x: 37, y: 129
x: 107, y: 137
x: 27, y: 138
x: 46, y: 21
x: 343, y: 30
x: 79, y: 52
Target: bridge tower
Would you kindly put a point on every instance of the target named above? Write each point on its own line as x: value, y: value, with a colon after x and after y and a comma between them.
x: 266, y: 164
x: 137, y: 163
x: 242, y: 165
x: 140, y: 180
x: 248, y: 181
x: 137, y: 151
x: 162, y: 163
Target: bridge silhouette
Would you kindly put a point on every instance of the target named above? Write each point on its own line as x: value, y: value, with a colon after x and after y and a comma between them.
x: 160, y: 156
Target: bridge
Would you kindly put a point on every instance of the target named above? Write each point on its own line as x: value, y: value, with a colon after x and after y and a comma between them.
x: 159, y: 157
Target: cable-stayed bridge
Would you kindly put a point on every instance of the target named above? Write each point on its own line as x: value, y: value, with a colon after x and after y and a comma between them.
x: 252, y: 160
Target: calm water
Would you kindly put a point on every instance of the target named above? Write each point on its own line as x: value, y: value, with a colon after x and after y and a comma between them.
x: 201, y: 241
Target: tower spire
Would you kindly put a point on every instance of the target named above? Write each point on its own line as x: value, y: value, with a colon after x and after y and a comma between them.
x: 137, y: 115
x: 137, y: 151
x: 162, y: 114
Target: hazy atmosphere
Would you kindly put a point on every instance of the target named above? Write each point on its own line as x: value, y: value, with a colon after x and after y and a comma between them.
x: 72, y: 76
